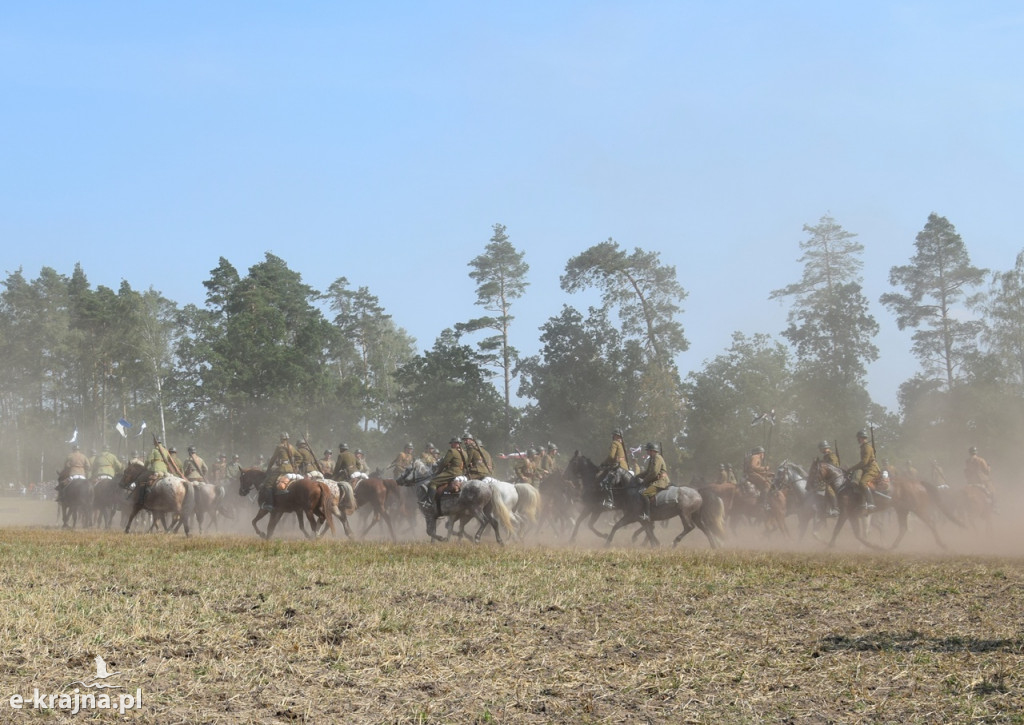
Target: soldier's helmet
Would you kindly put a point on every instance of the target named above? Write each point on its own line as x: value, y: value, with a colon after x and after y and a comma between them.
x: 342, y: 446
x: 191, y: 449
x: 172, y: 449
x: 759, y: 449
x: 532, y: 452
x: 861, y: 434
x: 327, y: 452
x: 75, y: 447
x: 617, y: 432
x: 467, y: 436
x: 284, y: 436
x: 972, y: 450
x: 552, y: 447
x: 409, y: 446
x: 454, y: 441
x: 651, y: 446
x: 431, y: 447
x: 359, y: 451
x: 221, y: 457
x: 236, y: 457
x: 824, y: 446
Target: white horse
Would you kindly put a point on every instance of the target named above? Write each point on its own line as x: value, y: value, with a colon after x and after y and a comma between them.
x: 522, y: 499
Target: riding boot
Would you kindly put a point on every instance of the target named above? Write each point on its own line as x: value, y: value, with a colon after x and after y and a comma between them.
x: 609, y: 502
x: 266, y: 498
x: 869, y: 500
x: 833, y: 508
x: 437, y: 502
x: 646, y: 515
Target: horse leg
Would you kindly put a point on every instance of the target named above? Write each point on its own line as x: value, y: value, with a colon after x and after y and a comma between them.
x: 844, y: 514
x: 275, y: 516
x: 131, y: 517
x: 259, y: 515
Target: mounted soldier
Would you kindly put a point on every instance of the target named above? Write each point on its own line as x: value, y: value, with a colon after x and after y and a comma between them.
x: 869, y: 470
x: 758, y: 473
x: 106, y: 465
x: 429, y: 455
x: 616, y: 460
x: 220, y: 470
x: 832, y: 458
x: 451, y: 467
x: 195, y: 468
x: 77, y: 466
x: 655, y: 477
x: 402, y: 461
x: 978, y: 473
x: 478, y: 461
x: 283, y: 462
x: 345, y: 464
x: 308, y: 463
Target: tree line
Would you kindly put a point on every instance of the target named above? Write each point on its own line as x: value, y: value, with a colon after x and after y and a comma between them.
x: 267, y: 353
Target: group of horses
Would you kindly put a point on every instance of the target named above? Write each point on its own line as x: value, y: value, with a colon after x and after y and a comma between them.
x: 580, y: 494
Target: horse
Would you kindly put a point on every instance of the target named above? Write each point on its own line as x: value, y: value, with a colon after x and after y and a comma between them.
x: 975, y: 505
x: 800, y: 500
x: 905, y: 497
x: 210, y: 499
x: 167, y: 494
x: 107, y: 499
x: 521, y: 499
x: 703, y: 509
x: 307, y: 496
x: 560, y: 497
x: 592, y: 494
x: 381, y: 494
x: 75, y: 499
x: 474, y: 500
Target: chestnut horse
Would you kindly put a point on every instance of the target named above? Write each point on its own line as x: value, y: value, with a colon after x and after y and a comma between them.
x: 904, y: 497
x: 300, y: 495
x: 380, y: 494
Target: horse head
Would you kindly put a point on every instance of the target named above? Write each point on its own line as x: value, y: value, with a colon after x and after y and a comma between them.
x: 250, y: 479
x: 132, y: 474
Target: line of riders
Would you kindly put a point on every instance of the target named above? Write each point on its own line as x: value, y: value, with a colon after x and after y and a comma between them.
x: 466, y: 457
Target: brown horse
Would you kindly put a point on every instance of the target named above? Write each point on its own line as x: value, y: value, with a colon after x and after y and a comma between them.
x: 75, y: 499
x: 905, y: 497
x: 301, y: 495
x: 380, y: 494
x: 167, y: 494
x: 974, y: 503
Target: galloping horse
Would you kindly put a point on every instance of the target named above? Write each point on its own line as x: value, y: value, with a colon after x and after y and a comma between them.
x: 475, y: 500
x: 703, y: 509
x: 521, y: 499
x: 592, y: 494
x: 380, y: 494
x: 301, y: 495
x: 800, y: 500
x: 905, y: 497
x: 75, y: 499
x: 168, y: 494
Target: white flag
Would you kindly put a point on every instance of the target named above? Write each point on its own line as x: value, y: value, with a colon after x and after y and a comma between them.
x: 74, y: 437
x: 142, y: 428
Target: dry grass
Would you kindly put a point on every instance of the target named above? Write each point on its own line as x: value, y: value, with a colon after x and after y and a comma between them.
x: 230, y: 629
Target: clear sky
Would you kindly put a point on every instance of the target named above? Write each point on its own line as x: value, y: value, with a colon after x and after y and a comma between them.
x: 381, y: 141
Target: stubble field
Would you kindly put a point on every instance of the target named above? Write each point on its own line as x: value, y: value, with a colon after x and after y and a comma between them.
x: 226, y: 628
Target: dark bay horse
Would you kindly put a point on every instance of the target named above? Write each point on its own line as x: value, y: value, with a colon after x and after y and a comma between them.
x: 380, y: 494
x: 300, y: 496
x: 585, y: 474
x: 166, y: 495
x: 75, y: 499
x: 904, y: 497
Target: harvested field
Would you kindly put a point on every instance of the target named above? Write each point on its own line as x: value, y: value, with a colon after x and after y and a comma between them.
x: 228, y: 628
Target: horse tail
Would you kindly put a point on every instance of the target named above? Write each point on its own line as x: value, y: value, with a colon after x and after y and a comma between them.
x: 529, y: 501
x: 712, y: 512
x: 348, y: 498
x: 501, y: 510
x: 327, y: 505
x: 391, y: 485
x: 943, y: 505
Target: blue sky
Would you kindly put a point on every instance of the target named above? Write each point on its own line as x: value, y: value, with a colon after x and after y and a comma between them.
x: 381, y: 142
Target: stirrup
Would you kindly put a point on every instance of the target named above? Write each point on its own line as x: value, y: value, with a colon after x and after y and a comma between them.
x: 645, y: 517
x: 869, y: 507
x: 608, y: 504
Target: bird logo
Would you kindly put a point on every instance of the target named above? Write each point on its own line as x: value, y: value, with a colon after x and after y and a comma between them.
x: 101, y: 674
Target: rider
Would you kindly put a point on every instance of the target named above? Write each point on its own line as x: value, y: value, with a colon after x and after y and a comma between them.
x: 832, y: 458
x: 76, y: 466
x: 656, y: 478
x: 451, y: 466
x: 723, y: 474
x: 478, y: 461
x: 282, y: 462
x: 233, y: 472
x: 106, y: 465
x: 616, y: 459
x: 195, y: 467
x: 327, y: 462
x: 220, y: 469
x: 526, y: 466
x: 361, y: 465
x: 345, y: 464
x: 429, y: 455
x: 307, y: 463
x: 869, y: 470
x: 402, y: 461
x: 978, y: 473
x: 756, y: 469
x: 158, y: 460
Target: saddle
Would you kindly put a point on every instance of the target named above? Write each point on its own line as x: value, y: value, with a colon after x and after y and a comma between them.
x: 283, y: 481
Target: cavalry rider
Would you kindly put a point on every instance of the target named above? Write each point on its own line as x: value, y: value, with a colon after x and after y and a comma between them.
x: 158, y: 461
x: 308, y: 464
x: 283, y: 461
x: 429, y: 455
x: 832, y: 458
x: 76, y: 466
x: 233, y: 472
x: 106, y: 465
x: 978, y: 473
x: 451, y: 467
x: 175, y: 464
x: 361, y: 465
x: 220, y: 470
x: 525, y: 467
x: 195, y: 467
x: 655, y: 477
x: 478, y: 461
x: 869, y: 470
x: 758, y: 473
x: 402, y: 461
x: 549, y: 461
x: 327, y: 462
x: 616, y: 459
x: 345, y: 464
x: 723, y: 474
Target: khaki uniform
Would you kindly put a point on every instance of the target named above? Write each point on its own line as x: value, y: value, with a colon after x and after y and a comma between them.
x: 402, y: 461
x: 757, y: 472
x: 616, y: 456
x: 868, y: 466
x: 452, y: 466
x: 195, y: 468
x: 220, y: 471
x: 655, y: 476
x: 106, y: 465
x: 525, y: 470
x: 155, y: 461
x: 284, y: 460
x: 307, y: 460
x: 831, y: 458
x: 345, y: 465
x: 478, y: 465
x: 77, y: 465
x: 978, y: 473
